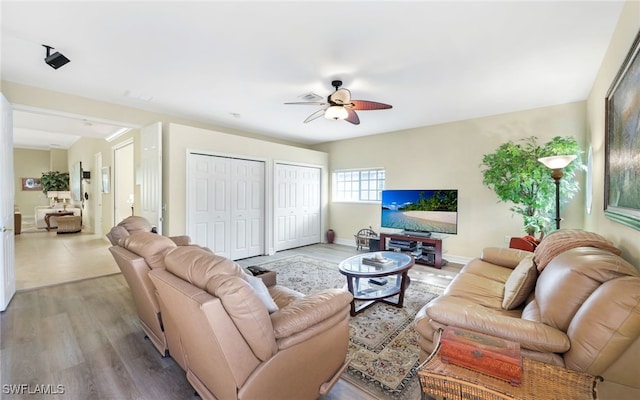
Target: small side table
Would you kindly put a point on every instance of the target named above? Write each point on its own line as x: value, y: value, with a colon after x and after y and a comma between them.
x: 539, y: 381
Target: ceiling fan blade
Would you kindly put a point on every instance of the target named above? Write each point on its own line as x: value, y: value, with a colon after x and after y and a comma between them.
x: 315, y: 115
x: 368, y: 105
x: 313, y: 103
x: 340, y: 96
x: 352, y: 117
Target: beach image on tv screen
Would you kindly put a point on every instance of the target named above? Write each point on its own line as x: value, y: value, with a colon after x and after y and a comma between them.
x: 420, y: 210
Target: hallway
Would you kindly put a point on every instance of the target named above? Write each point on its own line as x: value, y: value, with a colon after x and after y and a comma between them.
x: 46, y: 258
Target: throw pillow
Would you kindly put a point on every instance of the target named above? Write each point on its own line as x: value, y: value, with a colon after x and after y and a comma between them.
x: 520, y: 284
x: 263, y: 293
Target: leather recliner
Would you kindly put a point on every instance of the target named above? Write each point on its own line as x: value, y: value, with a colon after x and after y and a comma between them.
x: 136, y: 223
x: 135, y: 258
x: 136, y: 254
x: 242, y: 343
x: 581, y: 311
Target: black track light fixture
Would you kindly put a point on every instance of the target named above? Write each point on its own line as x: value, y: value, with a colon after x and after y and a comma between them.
x: 55, y: 60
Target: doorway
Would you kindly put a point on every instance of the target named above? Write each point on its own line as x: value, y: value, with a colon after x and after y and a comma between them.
x: 123, y: 181
x: 36, y: 128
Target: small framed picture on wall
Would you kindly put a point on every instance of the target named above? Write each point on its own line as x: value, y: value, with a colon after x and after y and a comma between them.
x: 31, y: 184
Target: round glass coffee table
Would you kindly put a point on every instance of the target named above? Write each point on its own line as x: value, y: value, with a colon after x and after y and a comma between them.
x: 373, y: 281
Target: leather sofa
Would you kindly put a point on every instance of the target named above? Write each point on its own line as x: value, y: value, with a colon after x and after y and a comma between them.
x: 573, y: 302
x: 242, y: 340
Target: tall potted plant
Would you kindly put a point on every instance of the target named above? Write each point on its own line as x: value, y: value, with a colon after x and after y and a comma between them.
x: 515, y: 174
x: 54, y: 180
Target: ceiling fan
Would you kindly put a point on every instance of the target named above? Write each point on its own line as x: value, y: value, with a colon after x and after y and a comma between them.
x: 340, y: 106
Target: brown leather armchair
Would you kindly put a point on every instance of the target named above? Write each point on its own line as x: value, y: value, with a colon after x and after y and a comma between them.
x: 244, y: 342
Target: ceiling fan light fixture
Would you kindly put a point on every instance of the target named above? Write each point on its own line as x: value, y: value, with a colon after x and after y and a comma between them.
x: 336, y: 112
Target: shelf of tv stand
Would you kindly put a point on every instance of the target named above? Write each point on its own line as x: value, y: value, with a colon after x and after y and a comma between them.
x: 428, y: 240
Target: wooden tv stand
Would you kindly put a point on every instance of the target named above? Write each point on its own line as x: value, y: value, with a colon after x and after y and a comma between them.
x: 428, y: 240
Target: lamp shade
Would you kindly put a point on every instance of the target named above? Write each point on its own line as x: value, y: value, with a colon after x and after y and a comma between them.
x: 64, y: 195
x: 336, y: 112
x: 557, y: 162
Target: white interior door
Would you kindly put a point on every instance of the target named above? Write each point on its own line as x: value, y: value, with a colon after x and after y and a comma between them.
x: 297, y: 206
x: 123, y: 180
x: 208, y: 215
x: 247, y: 208
x: 7, y: 198
x: 150, y: 203
x: 97, y: 195
x: 225, y: 205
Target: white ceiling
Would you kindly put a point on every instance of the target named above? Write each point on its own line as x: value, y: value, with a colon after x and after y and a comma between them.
x: 235, y: 64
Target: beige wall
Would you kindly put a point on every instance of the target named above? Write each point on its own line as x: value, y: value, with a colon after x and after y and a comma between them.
x: 448, y: 156
x: 626, y: 238
x: 178, y: 140
x: 29, y: 163
x: 84, y: 150
x: 59, y: 160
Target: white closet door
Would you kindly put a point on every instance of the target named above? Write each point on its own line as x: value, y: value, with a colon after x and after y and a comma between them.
x: 297, y: 206
x: 247, y: 204
x: 151, y: 174
x: 309, y: 207
x: 225, y: 205
x: 208, y: 212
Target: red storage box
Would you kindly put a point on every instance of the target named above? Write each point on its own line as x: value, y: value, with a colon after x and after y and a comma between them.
x: 483, y: 353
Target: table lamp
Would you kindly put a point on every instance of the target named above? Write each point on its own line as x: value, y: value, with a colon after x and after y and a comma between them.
x: 65, y: 195
x: 52, y: 195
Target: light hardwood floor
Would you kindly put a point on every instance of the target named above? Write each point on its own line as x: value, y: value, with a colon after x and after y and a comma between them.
x: 85, y: 335
x: 44, y: 258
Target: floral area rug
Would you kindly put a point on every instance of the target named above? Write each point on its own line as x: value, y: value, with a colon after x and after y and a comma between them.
x: 383, y: 345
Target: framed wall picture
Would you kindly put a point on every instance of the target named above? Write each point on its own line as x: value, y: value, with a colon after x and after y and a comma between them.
x: 106, y: 179
x: 31, y: 184
x: 622, y: 143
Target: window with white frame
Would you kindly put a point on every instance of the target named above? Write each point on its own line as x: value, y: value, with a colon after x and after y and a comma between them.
x: 358, y: 185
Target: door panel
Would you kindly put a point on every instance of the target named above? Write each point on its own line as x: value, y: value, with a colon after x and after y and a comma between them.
x: 226, y: 205
x: 7, y: 198
x: 297, y: 206
x: 151, y: 174
x: 247, y: 210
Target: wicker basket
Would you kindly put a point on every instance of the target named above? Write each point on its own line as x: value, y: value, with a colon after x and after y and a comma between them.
x: 539, y: 381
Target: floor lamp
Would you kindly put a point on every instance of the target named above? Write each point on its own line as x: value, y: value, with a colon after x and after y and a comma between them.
x: 556, y: 164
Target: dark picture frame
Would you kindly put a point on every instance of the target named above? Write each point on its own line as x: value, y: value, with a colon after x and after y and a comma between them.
x: 31, y: 184
x: 622, y: 142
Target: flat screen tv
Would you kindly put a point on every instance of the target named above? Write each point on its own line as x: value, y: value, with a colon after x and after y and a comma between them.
x: 420, y: 211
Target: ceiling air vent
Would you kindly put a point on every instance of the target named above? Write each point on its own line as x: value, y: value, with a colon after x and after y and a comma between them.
x: 311, y: 97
